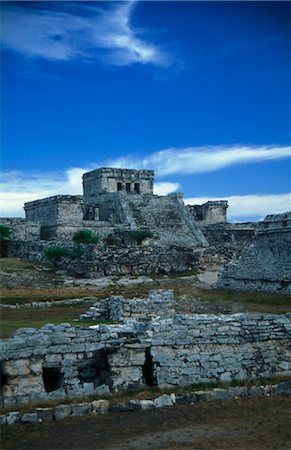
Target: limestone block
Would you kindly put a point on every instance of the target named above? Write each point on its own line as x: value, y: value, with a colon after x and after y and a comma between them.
x: 62, y: 412
x: 36, y: 367
x: 256, y: 391
x: 147, y: 404
x: 17, y: 367
x: 226, y: 376
x: 12, y: 417
x: 3, y: 419
x: 284, y: 388
x: 238, y: 391
x: 26, y: 385
x: 80, y: 409
x: 204, y: 396
x: 187, y: 398
x: 122, y: 407
x: 165, y: 400
x: 30, y: 418
x: 102, y: 389
x: 45, y: 414
x: 220, y: 394
x: 100, y: 406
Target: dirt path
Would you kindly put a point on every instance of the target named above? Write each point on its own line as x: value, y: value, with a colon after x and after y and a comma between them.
x: 249, y: 424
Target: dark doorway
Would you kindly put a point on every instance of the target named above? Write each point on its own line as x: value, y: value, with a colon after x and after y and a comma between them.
x: 137, y: 188
x: 3, y: 379
x: 148, y: 369
x: 119, y: 186
x: 95, y: 369
x: 127, y: 187
x: 52, y: 378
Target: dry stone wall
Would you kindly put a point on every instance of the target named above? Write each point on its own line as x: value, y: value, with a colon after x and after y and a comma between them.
x: 64, y: 361
x: 159, y: 303
x: 265, y: 264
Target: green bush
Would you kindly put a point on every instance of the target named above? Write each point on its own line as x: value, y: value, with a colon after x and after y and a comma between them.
x: 54, y: 254
x: 5, y: 233
x: 139, y: 236
x: 85, y: 237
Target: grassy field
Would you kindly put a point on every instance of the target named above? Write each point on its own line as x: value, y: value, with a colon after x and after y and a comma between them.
x: 25, y: 281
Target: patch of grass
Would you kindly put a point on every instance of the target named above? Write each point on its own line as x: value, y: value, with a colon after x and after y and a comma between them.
x: 261, y: 302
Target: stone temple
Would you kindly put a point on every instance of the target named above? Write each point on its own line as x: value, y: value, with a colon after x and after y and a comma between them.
x: 123, y: 198
x: 119, y: 202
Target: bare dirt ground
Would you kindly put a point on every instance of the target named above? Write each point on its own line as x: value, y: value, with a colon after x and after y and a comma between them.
x: 249, y: 424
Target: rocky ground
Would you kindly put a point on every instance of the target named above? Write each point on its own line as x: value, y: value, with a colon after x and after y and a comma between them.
x: 249, y: 424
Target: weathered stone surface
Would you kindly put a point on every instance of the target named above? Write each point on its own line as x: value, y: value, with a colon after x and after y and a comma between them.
x: 79, y: 409
x: 3, y: 419
x: 62, y: 412
x: 45, y: 414
x: 100, y: 406
x: 179, y: 350
x: 12, y: 417
x: 147, y: 404
x: 220, y: 394
x: 284, y: 388
x: 265, y: 265
x: 30, y: 418
x: 165, y: 400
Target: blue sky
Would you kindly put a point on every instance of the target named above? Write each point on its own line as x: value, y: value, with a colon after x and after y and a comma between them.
x: 198, y: 91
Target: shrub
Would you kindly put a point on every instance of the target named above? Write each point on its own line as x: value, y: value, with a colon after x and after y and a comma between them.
x: 85, y: 237
x: 5, y: 233
x: 139, y: 236
x: 54, y: 254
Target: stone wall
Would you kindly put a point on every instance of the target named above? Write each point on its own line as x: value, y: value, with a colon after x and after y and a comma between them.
x: 64, y: 361
x: 210, y: 212
x: 159, y: 303
x: 57, y: 210
x: 21, y: 229
x: 227, y: 241
x: 101, y: 260
x: 265, y: 264
x: 109, y: 179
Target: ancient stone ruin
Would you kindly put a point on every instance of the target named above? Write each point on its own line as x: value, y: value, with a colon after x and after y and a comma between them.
x: 117, y: 204
x: 142, y: 349
x: 266, y: 263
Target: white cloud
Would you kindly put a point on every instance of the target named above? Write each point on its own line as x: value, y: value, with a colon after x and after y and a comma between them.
x: 165, y: 188
x: 68, y: 31
x: 18, y: 188
x: 202, y: 159
x: 244, y: 206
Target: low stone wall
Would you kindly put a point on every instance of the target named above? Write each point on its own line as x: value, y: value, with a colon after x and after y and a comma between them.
x: 101, y: 260
x: 103, y: 406
x: 62, y: 361
x: 159, y: 303
x: 188, y: 349
x: 21, y: 229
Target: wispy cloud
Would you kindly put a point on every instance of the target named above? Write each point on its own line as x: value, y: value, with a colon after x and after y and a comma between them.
x: 249, y: 206
x: 65, y: 31
x: 201, y: 159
